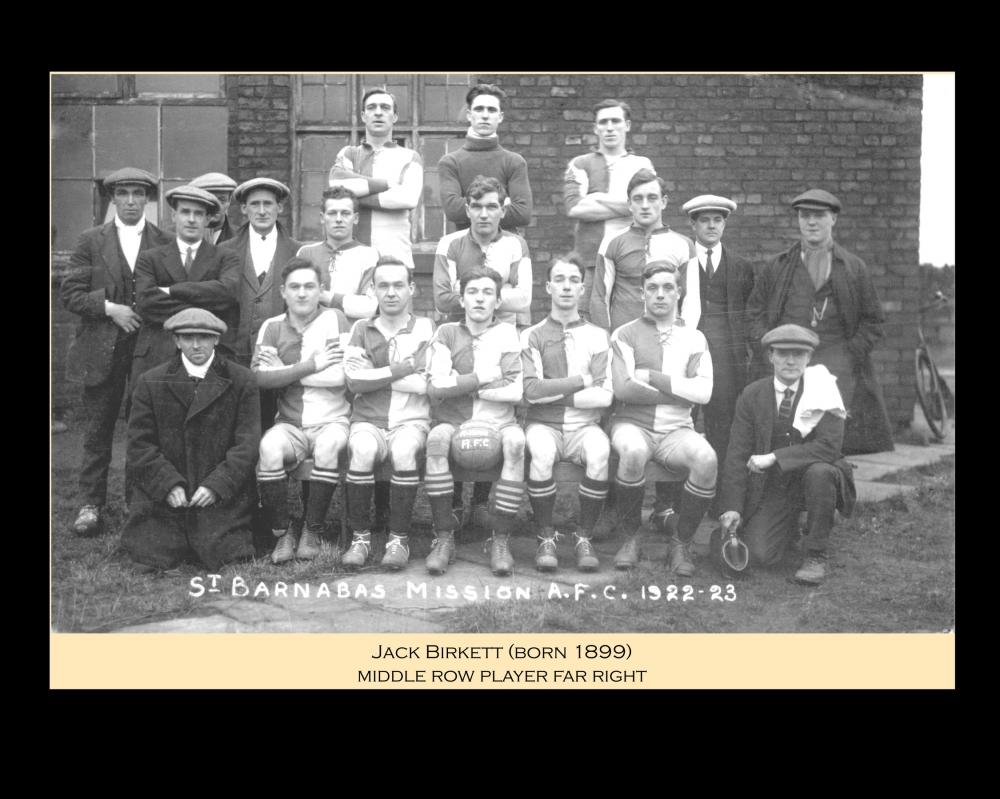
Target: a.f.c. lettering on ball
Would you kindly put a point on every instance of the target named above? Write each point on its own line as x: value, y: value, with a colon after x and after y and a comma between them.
x: 476, y: 446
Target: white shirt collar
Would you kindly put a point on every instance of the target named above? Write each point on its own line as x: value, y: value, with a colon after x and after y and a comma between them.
x: 197, y: 371
x: 135, y: 229
x: 270, y: 237
x: 779, y: 387
x: 702, y: 252
x: 183, y: 247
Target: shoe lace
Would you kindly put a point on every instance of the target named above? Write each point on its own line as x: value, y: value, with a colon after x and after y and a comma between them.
x: 496, y: 542
x: 440, y: 542
x: 362, y: 541
x: 549, y: 542
x: 396, y: 543
x: 584, y: 545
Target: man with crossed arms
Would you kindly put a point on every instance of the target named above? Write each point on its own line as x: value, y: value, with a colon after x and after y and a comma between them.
x: 567, y: 383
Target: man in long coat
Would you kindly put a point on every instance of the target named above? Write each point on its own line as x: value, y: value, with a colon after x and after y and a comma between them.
x: 818, y: 284
x: 192, y: 443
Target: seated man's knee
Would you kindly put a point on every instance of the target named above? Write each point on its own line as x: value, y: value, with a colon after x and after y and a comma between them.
x: 513, y: 443
x: 596, y: 452
x: 364, y: 449
x: 273, y: 448
x: 703, y: 463
x: 326, y: 451
x: 818, y: 475
x: 403, y: 451
x: 542, y: 449
x: 439, y: 442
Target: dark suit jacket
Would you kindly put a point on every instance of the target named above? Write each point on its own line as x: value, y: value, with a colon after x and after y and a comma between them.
x: 258, y: 302
x: 212, y: 285
x: 869, y: 429
x: 738, y: 274
x: 756, y: 412
x: 100, y: 272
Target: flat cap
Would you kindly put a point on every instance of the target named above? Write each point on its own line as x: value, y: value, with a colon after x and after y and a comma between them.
x: 130, y: 174
x: 194, y: 194
x: 214, y: 181
x: 280, y: 189
x: 791, y: 337
x: 195, y: 320
x: 817, y: 199
x: 709, y: 202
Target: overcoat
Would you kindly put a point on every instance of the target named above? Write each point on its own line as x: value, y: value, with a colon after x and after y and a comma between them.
x: 204, y: 434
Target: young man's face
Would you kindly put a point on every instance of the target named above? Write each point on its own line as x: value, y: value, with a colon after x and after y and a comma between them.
x: 646, y: 204
x: 611, y: 127
x: 197, y: 347
x: 565, y: 286
x: 301, y: 291
x: 339, y: 219
x: 130, y: 200
x: 816, y: 226
x: 392, y: 288
x: 789, y: 363
x: 261, y: 207
x: 660, y: 294
x: 708, y: 228
x: 485, y: 213
x: 190, y: 219
x: 378, y: 115
x: 484, y: 114
x: 480, y: 299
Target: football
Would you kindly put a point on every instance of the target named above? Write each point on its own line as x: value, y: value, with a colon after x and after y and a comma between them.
x: 476, y: 446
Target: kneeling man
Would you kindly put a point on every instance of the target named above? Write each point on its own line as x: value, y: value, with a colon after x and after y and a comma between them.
x: 192, y: 439
x: 386, y: 371
x: 785, y: 454
x: 567, y: 381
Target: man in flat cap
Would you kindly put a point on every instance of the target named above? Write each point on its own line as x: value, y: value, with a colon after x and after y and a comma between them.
x: 100, y: 288
x: 221, y: 187
x: 263, y: 247
x: 384, y: 214
x: 785, y: 455
x: 189, y: 272
x: 192, y: 442
x: 717, y: 284
x: 820, y: 285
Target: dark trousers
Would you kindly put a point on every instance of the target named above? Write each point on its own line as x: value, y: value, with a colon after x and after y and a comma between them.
x: 770, y: 529
x: 99, y: 412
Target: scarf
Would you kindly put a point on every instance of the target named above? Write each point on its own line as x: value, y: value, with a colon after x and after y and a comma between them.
x: 819, y: 395
x: 818, y: 261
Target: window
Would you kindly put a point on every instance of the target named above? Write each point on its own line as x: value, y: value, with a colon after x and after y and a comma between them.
x: 327, y: 118
x: 172, y: 138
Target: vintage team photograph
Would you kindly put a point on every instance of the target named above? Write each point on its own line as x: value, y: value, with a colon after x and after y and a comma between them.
x: 518, y: 353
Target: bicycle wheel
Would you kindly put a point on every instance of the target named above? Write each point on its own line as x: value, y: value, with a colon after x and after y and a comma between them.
x: 930, y: 395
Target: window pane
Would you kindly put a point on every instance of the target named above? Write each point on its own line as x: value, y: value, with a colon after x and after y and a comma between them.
x: 444, y: 98
x: 126, y: 136
x: 85, y: 84
x: 432, y: 147
x: 194, y: 140
x: 178, y: 84
x: 312, y: 103
x: 337, y: 105
x: 72, y: 152
x: 72, y: 211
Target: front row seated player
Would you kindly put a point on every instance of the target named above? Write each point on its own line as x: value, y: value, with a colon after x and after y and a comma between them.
x: 567, y: 381
x: 299, y: 353
x: 474, y: 372
x: 785, y: 454
x: 660, y: 369
x: 384, y: 364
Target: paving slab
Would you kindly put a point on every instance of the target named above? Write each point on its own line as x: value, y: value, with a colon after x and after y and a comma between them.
x: 876, y: 492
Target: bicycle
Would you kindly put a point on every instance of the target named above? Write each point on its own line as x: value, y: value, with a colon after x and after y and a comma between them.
x: 932, y: 392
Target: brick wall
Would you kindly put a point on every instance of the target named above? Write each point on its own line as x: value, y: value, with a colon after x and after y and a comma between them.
x: 760, y: 140
x: 260, y: 143
x: 64, y: 393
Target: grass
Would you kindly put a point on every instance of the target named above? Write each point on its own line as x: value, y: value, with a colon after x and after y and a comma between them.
x: 891, y: 570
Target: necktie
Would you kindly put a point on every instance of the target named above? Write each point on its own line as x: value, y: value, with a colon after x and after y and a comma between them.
x: 188, y: 260
x: 709, y: 269
x: 260, y: 278
x: 785, y: 409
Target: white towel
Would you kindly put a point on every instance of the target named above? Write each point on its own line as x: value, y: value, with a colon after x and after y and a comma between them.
x: 819, y: 395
